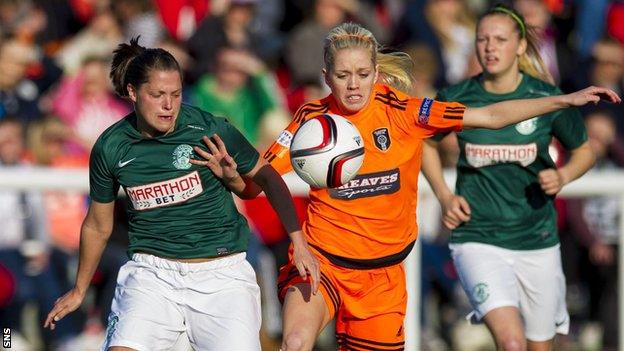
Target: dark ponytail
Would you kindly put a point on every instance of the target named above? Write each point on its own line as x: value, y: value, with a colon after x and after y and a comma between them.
x: 132, y: 64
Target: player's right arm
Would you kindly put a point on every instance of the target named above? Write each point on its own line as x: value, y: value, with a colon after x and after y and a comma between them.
x: 96, y: 229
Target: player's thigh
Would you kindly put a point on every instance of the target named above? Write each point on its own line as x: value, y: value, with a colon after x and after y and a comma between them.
x: 143, y: 317
x: 223, y: 313
x: 486, y: 275
x: 542, y: 290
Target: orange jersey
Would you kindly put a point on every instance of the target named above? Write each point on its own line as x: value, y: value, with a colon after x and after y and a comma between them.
x: 373, y: 217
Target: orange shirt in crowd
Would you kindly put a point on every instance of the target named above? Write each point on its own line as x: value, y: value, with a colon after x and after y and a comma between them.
x: 374, y: 215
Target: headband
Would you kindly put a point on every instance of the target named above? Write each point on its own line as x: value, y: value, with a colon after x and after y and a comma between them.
x: 515, y: 17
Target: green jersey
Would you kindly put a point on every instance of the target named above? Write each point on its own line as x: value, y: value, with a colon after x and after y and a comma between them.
x: 176, y: 209
x: 497, y: 169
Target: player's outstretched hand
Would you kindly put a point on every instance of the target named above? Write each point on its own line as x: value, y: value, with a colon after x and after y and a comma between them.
x: 592, y: 94
x: 455, y: 211
x: 306, y: 264
x: 218, y: 160
x: 63, y: 306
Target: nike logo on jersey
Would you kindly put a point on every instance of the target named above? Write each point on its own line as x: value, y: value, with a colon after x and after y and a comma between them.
x: 194, y: 127
x: 121, y: 164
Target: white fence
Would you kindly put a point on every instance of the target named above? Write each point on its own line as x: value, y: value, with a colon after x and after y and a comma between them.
x: 593, y: 183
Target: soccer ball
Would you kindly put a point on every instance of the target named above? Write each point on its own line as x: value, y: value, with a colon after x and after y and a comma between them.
x: 327, y: 151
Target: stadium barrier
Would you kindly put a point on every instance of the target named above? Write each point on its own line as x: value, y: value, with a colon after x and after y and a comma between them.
x: 608, y: 183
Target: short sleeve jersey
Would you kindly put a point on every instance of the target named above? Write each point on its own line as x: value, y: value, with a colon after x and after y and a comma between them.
x: 176, y: 209
x: 497, y: 169
x: 374, y: 215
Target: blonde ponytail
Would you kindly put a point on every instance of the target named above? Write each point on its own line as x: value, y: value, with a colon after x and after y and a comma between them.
x: 395, y: 70
x: 531, y: 62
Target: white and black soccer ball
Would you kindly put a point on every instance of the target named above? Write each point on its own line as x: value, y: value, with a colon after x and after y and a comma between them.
x: 327, y: 151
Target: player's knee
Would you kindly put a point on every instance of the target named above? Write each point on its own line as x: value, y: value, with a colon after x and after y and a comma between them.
x: 295, y: 341
x: 512, y: 343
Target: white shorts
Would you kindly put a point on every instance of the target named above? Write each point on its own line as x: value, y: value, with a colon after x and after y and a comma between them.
x: 531, y: 280
x: 217, y: 303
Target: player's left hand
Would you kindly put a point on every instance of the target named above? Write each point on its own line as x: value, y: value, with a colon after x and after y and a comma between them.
x: 218, y: 160
x: 550, y: 180
x: 592, y: 94
x: 307, y: 264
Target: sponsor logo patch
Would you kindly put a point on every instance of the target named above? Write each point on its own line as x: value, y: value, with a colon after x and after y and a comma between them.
x: 285, y: 138
x: 165, y: 193
x: 381, y: 136
x: 479, y: 155
x: 367, y: 185
x: 424, y: 111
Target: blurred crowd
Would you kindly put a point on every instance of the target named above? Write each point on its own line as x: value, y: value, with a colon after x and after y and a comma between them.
x: 256, y: 62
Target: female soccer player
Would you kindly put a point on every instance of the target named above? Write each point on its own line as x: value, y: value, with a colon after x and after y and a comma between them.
x: 362, y: 231
x: 188, y: 271
x: 504, y: 242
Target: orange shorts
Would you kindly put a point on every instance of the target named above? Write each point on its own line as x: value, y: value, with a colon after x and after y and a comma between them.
x: 368, y: 304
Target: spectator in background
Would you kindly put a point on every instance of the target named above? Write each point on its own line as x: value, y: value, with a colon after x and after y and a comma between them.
x: 231, y: 29
x: 87, y: 104
x: 425, y: 71
x: 595, y: 223
x: 590, y: 24
x: 21, y: 19
x: 25, y: 246
x: 615, y: 18
x: 139, y: 18
x: 450, y: 37
x: 304, y: 50
x: 180, y: 17
x: 606, y: 68
x: 24, y: 77
x: 240, y: 89
x: 455, y: 32
x: 98, y: 38
x: 558, y: 59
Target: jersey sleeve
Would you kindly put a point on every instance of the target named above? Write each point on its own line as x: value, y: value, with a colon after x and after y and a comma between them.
x: 433, y: 116
x: 440, y: 96
x: 103, y: 187
x: 569, y: 129
x: 278, y: 154
x: 245, y: 155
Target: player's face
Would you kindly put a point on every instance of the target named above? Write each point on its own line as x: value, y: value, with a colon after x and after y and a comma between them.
x: 157, y: 102
x: 498, y: 45
x: 351, y: 79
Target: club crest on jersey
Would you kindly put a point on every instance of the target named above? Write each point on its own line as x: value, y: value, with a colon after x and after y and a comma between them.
x: 182, y: 156
x: 527, y: 127
x: 381, y: 136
